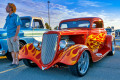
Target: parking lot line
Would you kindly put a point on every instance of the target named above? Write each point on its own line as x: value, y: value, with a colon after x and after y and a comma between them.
x: 2, y: 57
x: 11, y: 69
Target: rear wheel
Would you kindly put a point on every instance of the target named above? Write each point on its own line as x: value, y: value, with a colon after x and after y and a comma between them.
x: 82, y: 66
x: 113, y: 49
x: 29, y: 63
x: 8, y: 54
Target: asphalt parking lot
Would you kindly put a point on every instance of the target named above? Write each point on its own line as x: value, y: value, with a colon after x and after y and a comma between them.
x: 106, y: 69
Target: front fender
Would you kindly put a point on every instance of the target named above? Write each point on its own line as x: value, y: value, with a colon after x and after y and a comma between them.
x: 30, y: 52
x: 72, y: 54
x: 3, y: 44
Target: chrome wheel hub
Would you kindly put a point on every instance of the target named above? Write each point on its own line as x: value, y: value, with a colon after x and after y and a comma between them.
x: 83, y: 63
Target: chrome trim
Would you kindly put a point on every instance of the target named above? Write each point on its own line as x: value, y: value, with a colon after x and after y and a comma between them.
x: 2, y: 52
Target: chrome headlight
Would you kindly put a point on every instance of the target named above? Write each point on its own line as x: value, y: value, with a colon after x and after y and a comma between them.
x: 36, y: 44
x: 63, y: 44
x: 66, y: 43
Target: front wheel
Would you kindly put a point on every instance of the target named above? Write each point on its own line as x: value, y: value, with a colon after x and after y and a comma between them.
x: 29, y: 63
x: 82, y: 66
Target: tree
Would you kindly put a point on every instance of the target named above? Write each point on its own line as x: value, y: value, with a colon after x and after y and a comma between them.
x: 56, y: 28
x: 47, y: 26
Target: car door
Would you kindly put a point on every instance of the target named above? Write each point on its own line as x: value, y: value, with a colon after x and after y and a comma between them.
x: 96, y: 36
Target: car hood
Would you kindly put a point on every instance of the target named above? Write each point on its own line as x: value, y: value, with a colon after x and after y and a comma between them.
x: 3, y: 33
x: 68, y: 32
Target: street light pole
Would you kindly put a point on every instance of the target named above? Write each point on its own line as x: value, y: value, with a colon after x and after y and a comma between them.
x: 48, y: 13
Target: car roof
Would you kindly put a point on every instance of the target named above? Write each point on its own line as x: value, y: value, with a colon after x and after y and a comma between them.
x: 83, y: 18
x: 32, y: 17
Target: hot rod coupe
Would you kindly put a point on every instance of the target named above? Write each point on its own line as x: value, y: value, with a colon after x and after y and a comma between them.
x: 75, y: 44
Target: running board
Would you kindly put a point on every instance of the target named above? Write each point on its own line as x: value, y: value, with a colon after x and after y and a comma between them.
x: 103, y: 51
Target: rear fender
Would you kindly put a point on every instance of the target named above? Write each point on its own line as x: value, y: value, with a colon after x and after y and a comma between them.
x: 108, y: 42
x: 72, y: 54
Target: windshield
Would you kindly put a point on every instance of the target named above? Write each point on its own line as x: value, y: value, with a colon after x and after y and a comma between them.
x: 25, y: 22
x: 75, y: 24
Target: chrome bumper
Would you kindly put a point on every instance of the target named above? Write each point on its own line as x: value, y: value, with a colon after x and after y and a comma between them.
x: 2, y: 52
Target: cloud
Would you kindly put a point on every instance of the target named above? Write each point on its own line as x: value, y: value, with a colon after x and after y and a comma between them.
x: 57, y: 12
x: 89, y: 3
x: 57, y: 6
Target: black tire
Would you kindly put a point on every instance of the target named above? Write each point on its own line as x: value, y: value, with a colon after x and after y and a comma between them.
x: 29, y: 63
x: 8, y: 54
x: 111, y: 53
x: 76, y: 69
x: 21, y: 44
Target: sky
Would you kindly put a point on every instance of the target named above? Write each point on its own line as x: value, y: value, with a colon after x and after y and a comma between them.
x: 108, y: 10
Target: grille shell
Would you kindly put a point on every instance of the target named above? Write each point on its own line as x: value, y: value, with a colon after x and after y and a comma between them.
x: 49, y: 46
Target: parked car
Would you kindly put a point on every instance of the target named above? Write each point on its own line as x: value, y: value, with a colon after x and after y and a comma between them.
x: 32, y: 29
x: 117, y: 33
x: 78, y: 42
x: 110, y: 32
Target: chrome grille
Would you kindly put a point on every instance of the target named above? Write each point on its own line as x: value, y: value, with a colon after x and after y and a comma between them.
x: 49, y: 45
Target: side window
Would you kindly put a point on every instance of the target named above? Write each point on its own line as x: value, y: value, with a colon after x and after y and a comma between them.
x: 94, y: 25
x: 37, y: 23
x: 97, y: 24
